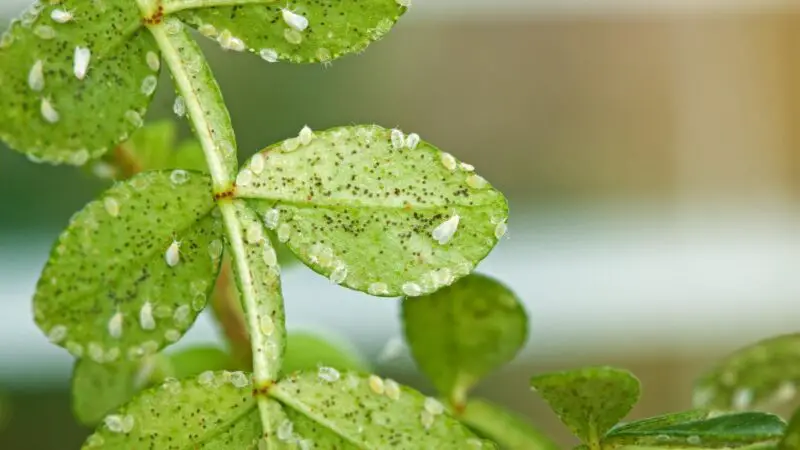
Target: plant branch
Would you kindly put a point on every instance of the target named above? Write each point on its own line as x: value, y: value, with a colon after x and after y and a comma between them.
x: 171, y: 6
x: 228, y: 311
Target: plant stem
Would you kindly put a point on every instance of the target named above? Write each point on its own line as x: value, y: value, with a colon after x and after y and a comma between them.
x: 171, y: 6
x: 228, y: 311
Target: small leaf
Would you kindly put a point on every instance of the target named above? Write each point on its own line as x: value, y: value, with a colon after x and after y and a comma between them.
x: 761, y: 373
x: 192, y: 413
x: 333, y: 28
x: 505, y: 428
x: 686, y: 430
x: 75, y: 79
x: 370, y: 216
x: 462, y: 332
x: 308, y: 351
x: 589, y: 401
x: 791, y: 438
x: 117, y: 285
x: 372, y: 413
x: 99, y: 389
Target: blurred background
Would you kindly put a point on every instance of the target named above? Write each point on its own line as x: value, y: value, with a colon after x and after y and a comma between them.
x: 649, y: 150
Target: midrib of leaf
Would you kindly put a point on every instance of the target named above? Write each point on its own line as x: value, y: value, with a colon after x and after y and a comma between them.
x: 218, y: 430
x: 171, y: 6
x: 359, y: 204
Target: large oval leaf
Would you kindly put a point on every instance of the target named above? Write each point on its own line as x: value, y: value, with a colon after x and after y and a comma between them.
x: 301, y: 32
x: 76, y: 78
x: 686, y: 430
x: 372, y: 413
x: 761, y: 373
x: 117, y: 284
x: 359, y: 206
x: 589, y: 401
x: 462, y: 332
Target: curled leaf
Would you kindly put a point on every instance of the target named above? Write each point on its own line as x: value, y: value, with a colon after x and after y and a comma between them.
x: 462, y: 332
x: 756, y: 375
x: 373, y: 210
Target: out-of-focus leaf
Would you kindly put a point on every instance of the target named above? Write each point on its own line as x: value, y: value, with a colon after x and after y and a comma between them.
x: 308, y: 351
x: 505, y: 428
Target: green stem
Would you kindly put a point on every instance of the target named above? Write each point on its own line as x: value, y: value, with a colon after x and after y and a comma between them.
x: 171, y: 6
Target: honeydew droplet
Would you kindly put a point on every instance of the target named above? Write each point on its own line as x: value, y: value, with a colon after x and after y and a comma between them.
x: 292, y: 36
x: 45, y: 32
x: 146, y: 320
x: 270, y: 257
x: 412, y: 141
x: 257, y: 163
x: 153, y: 61
x: 36, y: 76
x: 271, y: 218
x: 284, y: 233
x: 433, y: 406
x: 172, y: 256
x: 742, y: 398
x: 378, y: 288
x: 411, y: 289
x: 285, y: 431
x: 426, y: 419
x: 476, y: 181
x: 500, y: 229
x: 81, y: 61
x: 244, y: 178
x: 269, y: 55
x: 306, y: 135
x: 392, y: 389
x: 448, y: 161
x: 115, y: 325
x: 181, y: 315
x: 57, y: 334
x: 254, y: 234
x: 446, y: 230
x: 339, y: 274
x: 376, y: 384
x: 179, y: 107
x: 134, y: 118
x: 61, y: 15
x: 172, y: 335
x: 95, y: 352
x: 48, y: 111
x: 294, y: 20
x: 328, y: 374
x: 149, y: 85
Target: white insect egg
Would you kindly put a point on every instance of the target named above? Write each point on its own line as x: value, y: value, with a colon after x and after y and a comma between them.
x: 467, y: 167
x: 294, y: 20
x: 376, y: 384
x: 271, y: 218
x: 412, y: 141
x: 146, y: 320
x: 36, y: 76
x: 476, y: 181
x: 266, y: 324
x: 149, y: 85
x: 115, y: 325
x: 398, y: 139
x: 179, y: 107
x: 269, y: 55
x: 328, y: 374
x: 61, y: 15
x: 49, y: 112
x: 178, y: 176
x: 257, y: 163
x: 411, y: 289
x: 448, y: 161
x: 306, y: 135
x: 153, y: 61
x: 134, y: 118
x: 500, y: 229
x: 392, y: 389
x: 81, y: 61
x: 172, y: 256
x: 254, y: 234
x: 111, y: 206
x: 446, y: 230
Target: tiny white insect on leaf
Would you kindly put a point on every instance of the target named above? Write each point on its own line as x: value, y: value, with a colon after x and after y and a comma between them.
x: 61, y: 15
x: 146, y: 320
x: 81, y: 62
x: 48, y: 111
x: 398, y: 139
x: 153, y: 61
x: 115, y: 325
x: 296, y: 21
x: 36, y: 76
x: 306, y: 135
x: 412, y: 141
x: 445, y: 231
x: 172, y: 255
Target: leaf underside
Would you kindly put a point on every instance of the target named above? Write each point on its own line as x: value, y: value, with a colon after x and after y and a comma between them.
x: 589, y: 401
x: 357, y: 210
x: 505, y: 428
x: 94, y: 113
x: 107, y: 291
x: 763, y: 373
x: 335, y: 28
x: 462, y: 332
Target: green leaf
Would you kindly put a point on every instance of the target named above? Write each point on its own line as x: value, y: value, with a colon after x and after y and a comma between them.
x: 791, y: 438
x: 108, y: 291
x: 88, y: 116
x: 654, y: 423
x: 460, y: 333
x: 589, y: 401
x: 307, y: 351
x: 505, y: 428
x: 334, y: 28
x: 761, y: 373
x: 212, y: 409
x: 98, y: 389
x: 686, y: 430
x: 371, y: 217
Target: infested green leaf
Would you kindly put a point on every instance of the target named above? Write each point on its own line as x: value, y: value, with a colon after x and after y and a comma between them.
x: 461, y: 333
x: 213, y: 409
x: 371, y: 215
x: 738, y: 430
x: 590, y: 400
x: 371, y: 412
x: 756, y: 375
x: 50, y: 113
x: 657, y: 422
x: 307, y: 351
x: 507, y: 429
x: 109, y: 291
x: 334, y: 28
